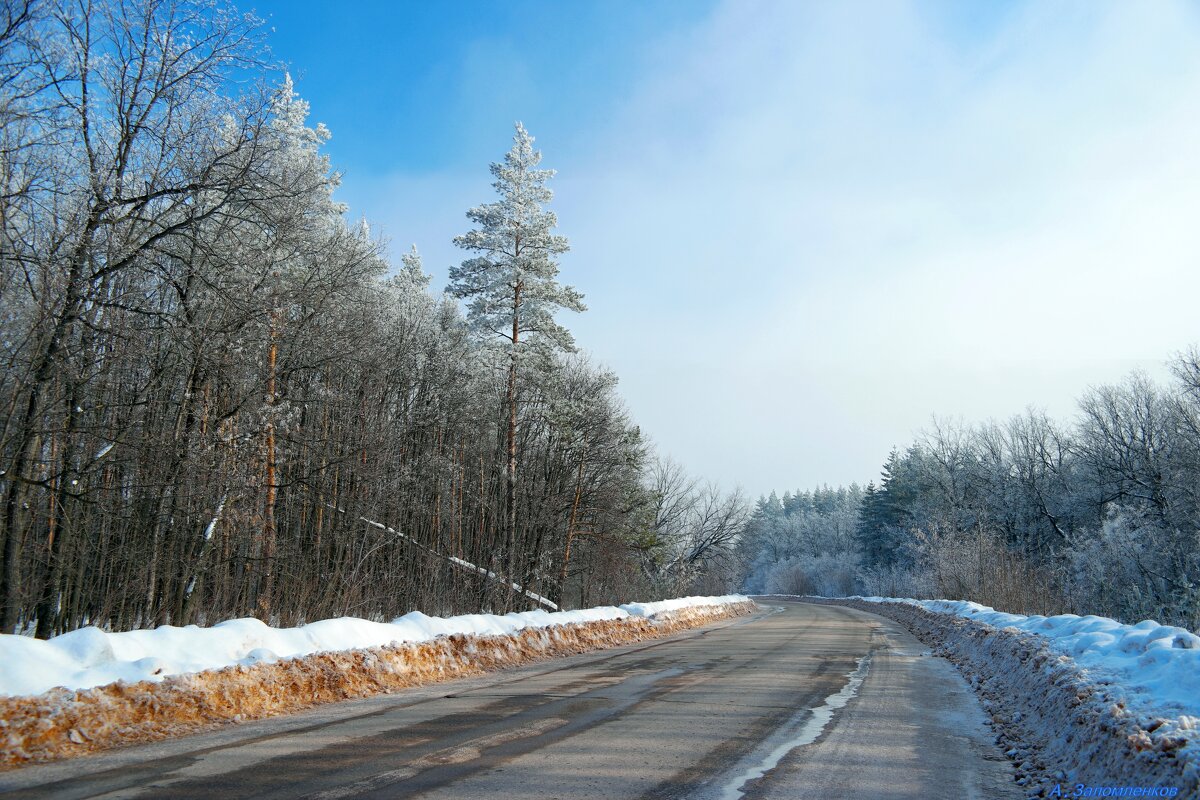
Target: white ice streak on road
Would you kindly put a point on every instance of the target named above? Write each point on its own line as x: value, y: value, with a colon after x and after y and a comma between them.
x: 802, y: 729
x: 91, y: 657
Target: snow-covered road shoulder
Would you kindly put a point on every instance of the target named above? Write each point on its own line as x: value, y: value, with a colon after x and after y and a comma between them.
x: 119, y: 688
x: 1077, y: 700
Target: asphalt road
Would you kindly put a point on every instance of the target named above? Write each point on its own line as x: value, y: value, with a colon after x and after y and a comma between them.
x: 798, y: 701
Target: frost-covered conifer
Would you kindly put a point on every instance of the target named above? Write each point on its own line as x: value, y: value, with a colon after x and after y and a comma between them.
x: 412, y: 273
x: 511, y: 284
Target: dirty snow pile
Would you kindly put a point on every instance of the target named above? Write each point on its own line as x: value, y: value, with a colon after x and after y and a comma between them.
x: 1073, y: 699
x: 1151, y: 667
x: 91, y: 657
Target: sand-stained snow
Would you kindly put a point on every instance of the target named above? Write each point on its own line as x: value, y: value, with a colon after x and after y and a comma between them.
x: 66, y: 722
x: 91, y: 657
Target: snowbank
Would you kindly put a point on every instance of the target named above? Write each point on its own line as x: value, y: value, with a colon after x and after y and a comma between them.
x: 1148, y: 667
x: 1074, y: 699
x: 91, y: 657
x: 119, y: 688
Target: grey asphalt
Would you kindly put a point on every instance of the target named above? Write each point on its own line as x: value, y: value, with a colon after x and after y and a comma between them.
x: 796, y: 701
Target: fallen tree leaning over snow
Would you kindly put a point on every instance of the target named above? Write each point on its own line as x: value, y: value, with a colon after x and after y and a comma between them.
x: 62, y: 723
x: 455, y: 560
x: 1060, y: 723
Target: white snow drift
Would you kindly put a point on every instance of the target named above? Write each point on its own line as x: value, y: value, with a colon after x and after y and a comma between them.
x: 91, y: 657
x: 1075, y: 701
x: 1153, y: 668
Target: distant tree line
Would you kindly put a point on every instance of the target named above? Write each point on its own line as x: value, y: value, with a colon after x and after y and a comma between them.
x: 219, y: 398
x: 1101, y: 516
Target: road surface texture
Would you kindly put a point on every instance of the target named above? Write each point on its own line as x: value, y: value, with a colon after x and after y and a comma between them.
x: 796, y: 701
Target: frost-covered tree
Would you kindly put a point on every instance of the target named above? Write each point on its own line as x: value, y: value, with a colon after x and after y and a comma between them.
x: 212, y: 402
x: 118, y: 140
x: 511, y: 286
x: 689, y: 538
x: 804, y: 543
x: 308, y: 260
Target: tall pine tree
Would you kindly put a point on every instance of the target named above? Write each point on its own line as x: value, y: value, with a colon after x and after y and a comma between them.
x: 512, y: 289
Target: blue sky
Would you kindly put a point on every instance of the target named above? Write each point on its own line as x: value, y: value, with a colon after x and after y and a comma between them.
x: 428, y: 86
x: 802, y: 228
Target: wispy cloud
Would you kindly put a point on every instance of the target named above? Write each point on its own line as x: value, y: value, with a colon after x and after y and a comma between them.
x: 814, y: 224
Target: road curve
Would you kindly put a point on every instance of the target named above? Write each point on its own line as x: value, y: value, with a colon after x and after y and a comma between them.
x: 797, y: 701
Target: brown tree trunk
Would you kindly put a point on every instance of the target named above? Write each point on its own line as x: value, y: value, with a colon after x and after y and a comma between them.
x: 566, y: 559
x: 58, y: 527
x: 267, y: 553
x: 510, y: 498
x: 10, y: 573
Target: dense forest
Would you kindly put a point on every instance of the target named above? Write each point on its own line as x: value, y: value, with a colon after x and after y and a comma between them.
x: 218, y: 396
x: 1100, y: 517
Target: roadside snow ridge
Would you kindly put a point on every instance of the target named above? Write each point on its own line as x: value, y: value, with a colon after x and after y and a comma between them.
x: 91, y: 657
x: 1152, y: 667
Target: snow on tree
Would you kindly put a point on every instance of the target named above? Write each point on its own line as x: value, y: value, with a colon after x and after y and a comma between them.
x: 412, y: 273
x: 511, y: 284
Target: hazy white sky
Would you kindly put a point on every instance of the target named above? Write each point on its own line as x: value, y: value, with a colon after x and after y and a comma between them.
x: 803, y: 228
